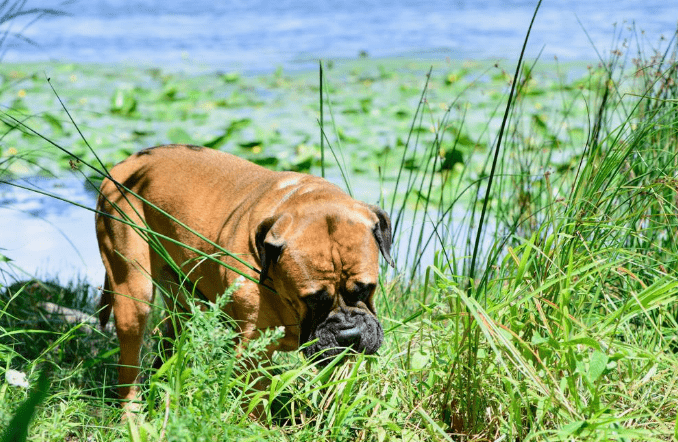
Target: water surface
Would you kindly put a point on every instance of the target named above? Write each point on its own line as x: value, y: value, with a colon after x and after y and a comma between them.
x: 257, y: 35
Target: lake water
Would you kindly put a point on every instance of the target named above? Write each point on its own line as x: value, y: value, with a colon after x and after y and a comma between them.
x: 255, y: 35
x: 46, y: 237
x: 53, y: 239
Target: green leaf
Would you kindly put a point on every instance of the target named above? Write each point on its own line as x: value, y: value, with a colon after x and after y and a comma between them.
x: 302, y: 163
x: 250, y: 144
x: 419, y: 359
x: 134, y: 434
x: 230, y: 77
x: 597, y: 365
x: 572, y: 428
x: 233, y: 127
x: 524, y: 260
x: 402, y: 113
x: 450, y: 158
x: 54, y: 123
x: 170, y: 363
x: 179, y: 136
x: 169, y: 92
x: 538, y: 339
x: 123, y: 102
x: 589, y: 342
x: 266, y: 161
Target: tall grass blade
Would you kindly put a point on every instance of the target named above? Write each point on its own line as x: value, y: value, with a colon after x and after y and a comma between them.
x: 322, y: 121
x: 488, y: 193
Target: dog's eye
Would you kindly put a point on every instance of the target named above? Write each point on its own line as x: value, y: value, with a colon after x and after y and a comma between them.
x: 318, y: 300
x: 360, y: 293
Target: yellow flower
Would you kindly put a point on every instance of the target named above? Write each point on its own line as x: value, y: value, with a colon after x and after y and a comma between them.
x: 12, y: 151
x: 21, y: 93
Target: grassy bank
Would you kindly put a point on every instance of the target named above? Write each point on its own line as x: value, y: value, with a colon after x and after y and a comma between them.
x: 566, y: 331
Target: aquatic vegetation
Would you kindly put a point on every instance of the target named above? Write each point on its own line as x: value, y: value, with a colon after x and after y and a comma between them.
x: 270, y: 119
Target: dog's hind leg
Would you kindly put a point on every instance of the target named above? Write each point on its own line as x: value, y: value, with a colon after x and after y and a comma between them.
x: 132, y: 306
x: 129, y: 288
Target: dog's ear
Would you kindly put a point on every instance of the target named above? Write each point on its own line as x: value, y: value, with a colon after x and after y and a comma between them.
x: 269, y: 242
x: 382, y: 233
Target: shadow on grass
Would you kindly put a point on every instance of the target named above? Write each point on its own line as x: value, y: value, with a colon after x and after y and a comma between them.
x: 44, y: 323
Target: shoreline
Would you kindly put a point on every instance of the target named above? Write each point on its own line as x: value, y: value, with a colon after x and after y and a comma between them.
x: 189, y: 67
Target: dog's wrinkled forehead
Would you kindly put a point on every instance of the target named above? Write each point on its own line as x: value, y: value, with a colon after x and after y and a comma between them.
x: 334, y: 245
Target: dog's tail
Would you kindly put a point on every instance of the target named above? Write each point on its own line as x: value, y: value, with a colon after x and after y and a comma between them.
x: 105, y: 303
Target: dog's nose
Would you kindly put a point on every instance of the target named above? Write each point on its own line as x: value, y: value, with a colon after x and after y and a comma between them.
x: 349, y: 337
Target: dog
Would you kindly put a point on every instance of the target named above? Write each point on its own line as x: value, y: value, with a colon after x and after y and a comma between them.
x: 310, y: 251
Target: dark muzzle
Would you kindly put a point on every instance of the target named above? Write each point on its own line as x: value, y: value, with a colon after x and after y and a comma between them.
x: 347, y: 328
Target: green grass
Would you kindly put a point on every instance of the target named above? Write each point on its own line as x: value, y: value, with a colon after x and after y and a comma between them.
x: 567, y: 330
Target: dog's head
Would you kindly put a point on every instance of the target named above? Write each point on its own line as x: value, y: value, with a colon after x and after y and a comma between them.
x: 324, y: 261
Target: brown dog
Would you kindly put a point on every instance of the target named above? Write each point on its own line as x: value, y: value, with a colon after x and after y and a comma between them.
x: 318, y: 246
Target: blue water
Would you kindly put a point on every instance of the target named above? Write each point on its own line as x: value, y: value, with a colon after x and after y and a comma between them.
x: 256, y: 35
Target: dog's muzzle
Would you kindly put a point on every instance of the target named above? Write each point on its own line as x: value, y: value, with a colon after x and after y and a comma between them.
x: 347, y: 328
